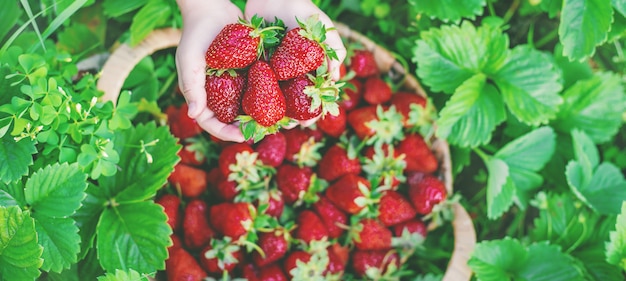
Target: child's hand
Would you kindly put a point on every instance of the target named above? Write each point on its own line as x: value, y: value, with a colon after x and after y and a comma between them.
x: 202, y: 21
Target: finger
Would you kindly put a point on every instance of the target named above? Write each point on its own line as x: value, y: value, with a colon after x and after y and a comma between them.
x: 223, y: 131
x: 307, y: 123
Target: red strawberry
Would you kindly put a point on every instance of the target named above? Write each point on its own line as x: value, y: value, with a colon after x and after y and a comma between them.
x: 272, y: 149
x: 302, y: 148
x: 385, y: 165
x: 272, y: 272
x: 171, y: 207
x: 300, y: 51
x: 427, y: 193
x: 181, y: 265
x: 332, y: 216
x: 197, y: 232
x: 376, y: 91
x: 373, y: 235
x: 409, y: 234
x: 250, y: 272
x: 191, y: 181
x: 346, y: 193
x: 291, y: 261
x: 221, y: 256
x: 274, y: 245
x: 228, y: 156
x: 394, y: 208
x: 224, y: 91
x: 336, y: 162
x: 333, y: 125
x: 336, y: 263
x: 293, y: 182
x: 380, y: 260
x: 180, y: 124
x: 403, y: 101
x: 352, y: 95
x: 310, y: 227
x: 275, y: 202
x: 231, y: 219
x: 191, y: 155
x: 419, y: 156
x: 263, y: 100
x: 238, y: 45
x: 363, y: 63
x: 359, y: 119
x: 298, y: 102
x: 225, y: 189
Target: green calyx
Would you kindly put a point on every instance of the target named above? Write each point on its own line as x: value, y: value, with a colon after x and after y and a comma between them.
x: 269, y: 33
x: 253, y: 130
x: 315, y: 30
x: 324, y: 93
x: 388, y: 126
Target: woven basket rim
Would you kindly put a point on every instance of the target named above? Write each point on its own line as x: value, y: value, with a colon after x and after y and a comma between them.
x: 124, y: 58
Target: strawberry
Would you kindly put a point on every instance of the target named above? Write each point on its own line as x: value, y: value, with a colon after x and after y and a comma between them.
x: 197, y: 232
x: 403, y: 102
x: 291, y: 261
x: 181, y: 265
x: 228, y: 156
x: 363, y: 63
x: 372, y: 235
x: 419, y: 156
x: 376, y: 91
x: 250, y: 272
x: 274, y: 245
x: 394, y: 208
x: 332, y: 216
x: 310, y: 227
x: 180, y: 124
x: 263, y: 101
x: 337, y: 259
x: 409, y: 234
x: 333, y: 125
x: 272, y: 149
x: 352, y: 95
x: 171, y: 207
x: 274, y: 200
x: 349, y: 193
x: 427, y: 193
x: 232, y: 219
x: 359, y: 118
x: 384, y: 165
x: 336, y: 162
x: 374, y: 264
x: 301, y: 50
x: 220, y: 256
x: 272, y: 272
x: 224, y: 91
x: 302, y: 148
x: 293, y: 182
x: 192, y: 155
x: 298, y: 101
x: 225, y: 189
x: 239, y: 44
x: 191, y: 181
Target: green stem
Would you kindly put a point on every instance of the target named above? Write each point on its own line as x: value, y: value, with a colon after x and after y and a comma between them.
x: 511, y: 11
x: 547, y: 38
x: 492, y: 11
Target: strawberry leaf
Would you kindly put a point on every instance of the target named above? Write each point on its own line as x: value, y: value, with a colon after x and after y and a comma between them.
x: 471, y: 114
x: 530, y: 85
x: 86, y: 218
x: 601, y: 186
x: 508, y: 259
x: 20, y: 254
x: 584, y: 26
x: 15, y: 158
x: 450, y: 10
x: 60, y: 241
x: 593, y: 105
x: 123, y: 275
x: 116, y: 8
x: 133, y: 235
x: 500, y: 188
x: 12, y: 194
x: 616, y: 247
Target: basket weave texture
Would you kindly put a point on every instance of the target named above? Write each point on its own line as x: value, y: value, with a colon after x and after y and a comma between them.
x: 124, y: 58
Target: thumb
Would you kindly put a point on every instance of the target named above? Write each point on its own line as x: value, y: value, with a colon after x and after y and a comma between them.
x: 191, y: 78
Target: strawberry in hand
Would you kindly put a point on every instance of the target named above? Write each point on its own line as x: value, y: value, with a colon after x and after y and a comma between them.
x: 224, y: 91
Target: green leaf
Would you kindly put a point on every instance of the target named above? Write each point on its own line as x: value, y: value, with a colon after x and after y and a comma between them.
x: 134, y: 235
x: 530, y: 85
x: 140, y: 179
x: 497, y: 260
x: 508, y: 259
x: 500, y: 188
x: 9, y: 14
x: 60, y: 241
x: 116, y: 8
x: 12, y: 194
x: 15, y: 158
x: 531, y: 151
x: 606, y: 190
x: 152, y: 14
x: 584, y: 25
x: 594, y: 106
x: 87, y: 217
x: 620, y: 6
x: 120, y: 275
x: 472, y: 113
x: 20, y: 254
x: 56, y: 191
x: 78, y: 38
x: 448, y: 56
x: 616, y: 246
x: 593, y: 258
x: 450, y: 10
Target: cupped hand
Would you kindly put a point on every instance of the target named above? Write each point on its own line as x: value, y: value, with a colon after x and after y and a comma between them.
x: 202, y: 21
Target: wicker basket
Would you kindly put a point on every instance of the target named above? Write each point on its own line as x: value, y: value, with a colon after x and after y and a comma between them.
x: 124, y: 59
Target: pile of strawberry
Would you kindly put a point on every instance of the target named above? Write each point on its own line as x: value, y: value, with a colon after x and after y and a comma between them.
x: 265, y: 77
x: 347, y: 198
